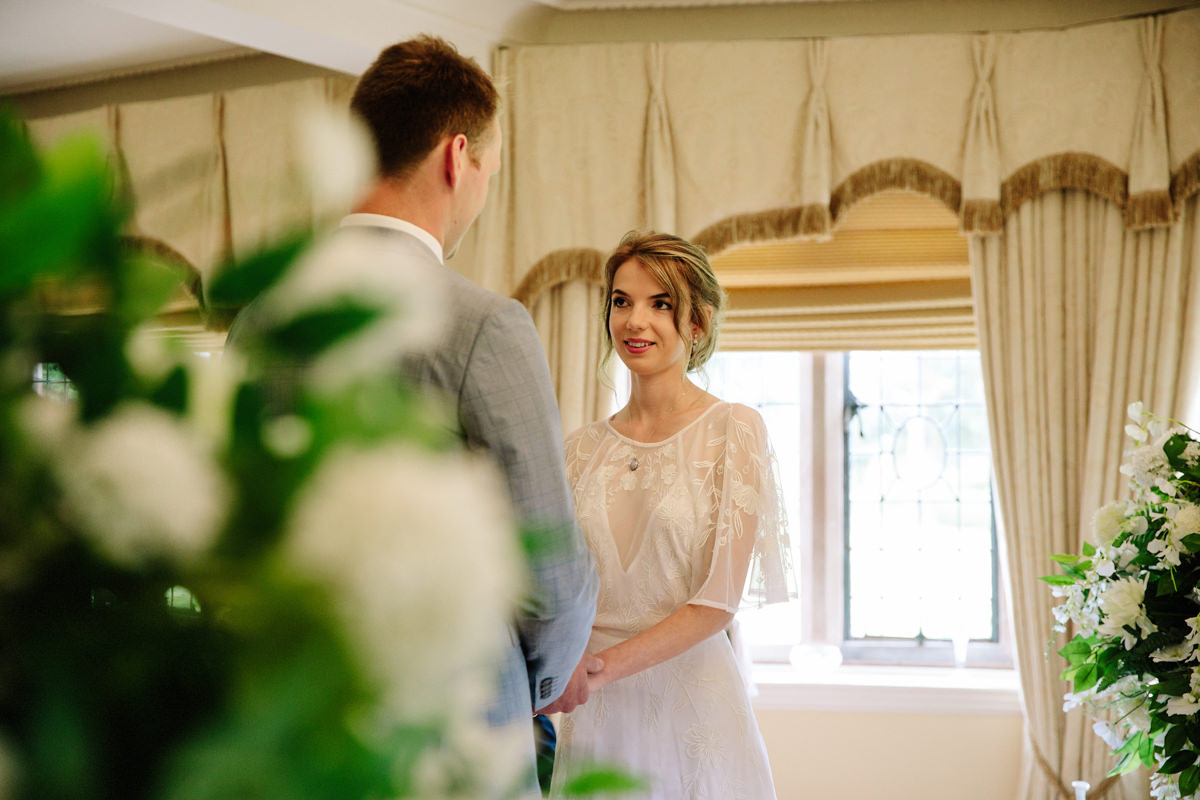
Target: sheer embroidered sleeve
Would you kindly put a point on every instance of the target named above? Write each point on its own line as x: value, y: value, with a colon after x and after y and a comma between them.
x: 750, y: 537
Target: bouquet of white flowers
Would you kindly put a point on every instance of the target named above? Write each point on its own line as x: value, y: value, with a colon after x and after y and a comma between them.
x: 202, y: 596
x: 1133, y: 601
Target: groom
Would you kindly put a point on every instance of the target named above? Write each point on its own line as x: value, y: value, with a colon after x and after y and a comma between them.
x: 432, y: 115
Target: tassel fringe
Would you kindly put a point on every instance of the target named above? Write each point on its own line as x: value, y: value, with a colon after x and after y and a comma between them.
x: 561, y: 266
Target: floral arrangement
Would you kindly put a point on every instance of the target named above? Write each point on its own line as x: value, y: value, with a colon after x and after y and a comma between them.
x: 1133, y: 601
x: 205, y: 593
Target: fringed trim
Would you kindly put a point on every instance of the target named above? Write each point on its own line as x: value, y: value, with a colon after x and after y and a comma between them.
x: 981, y: 216
x: 1064, y: 171
x: 897, y: 173
x: 561, y: 266
x: 1149, y: 210
x: 811, y: 221
x: 1186, y: 182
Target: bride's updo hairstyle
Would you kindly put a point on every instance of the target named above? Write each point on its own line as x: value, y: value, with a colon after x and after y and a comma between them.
x: 682, y: 269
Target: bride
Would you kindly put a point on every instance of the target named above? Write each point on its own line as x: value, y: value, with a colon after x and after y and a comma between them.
x: 678, y: 497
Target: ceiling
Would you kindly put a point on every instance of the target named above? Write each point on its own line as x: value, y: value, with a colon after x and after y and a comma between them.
x: 52, y: 43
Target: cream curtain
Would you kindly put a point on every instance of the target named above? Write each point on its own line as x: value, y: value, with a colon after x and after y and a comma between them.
x: 1078, y: 316
x: 568, y: 319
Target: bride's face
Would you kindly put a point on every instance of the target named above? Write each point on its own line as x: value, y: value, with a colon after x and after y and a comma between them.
x: 641, y: 322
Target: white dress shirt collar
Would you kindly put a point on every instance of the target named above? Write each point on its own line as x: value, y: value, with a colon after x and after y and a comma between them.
x: 383, y: 221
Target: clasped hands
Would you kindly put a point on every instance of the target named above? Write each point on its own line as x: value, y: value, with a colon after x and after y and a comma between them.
x: 579, y: 688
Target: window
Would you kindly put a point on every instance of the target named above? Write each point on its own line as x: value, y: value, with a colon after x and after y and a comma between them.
x: 49, y: 381
x: 886, y: 467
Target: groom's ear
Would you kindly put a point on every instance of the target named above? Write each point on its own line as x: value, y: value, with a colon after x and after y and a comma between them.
x: 456, y: 154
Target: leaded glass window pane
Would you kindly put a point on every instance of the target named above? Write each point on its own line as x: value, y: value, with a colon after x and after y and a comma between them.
x: 920, y: 541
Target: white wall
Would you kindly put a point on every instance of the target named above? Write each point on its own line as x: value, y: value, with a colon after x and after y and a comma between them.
x: 822, y: 755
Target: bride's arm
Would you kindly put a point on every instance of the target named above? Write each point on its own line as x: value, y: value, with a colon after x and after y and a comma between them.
x: 677, y: 633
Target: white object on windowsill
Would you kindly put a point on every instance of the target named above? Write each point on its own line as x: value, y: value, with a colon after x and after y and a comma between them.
x: 1081, y: 789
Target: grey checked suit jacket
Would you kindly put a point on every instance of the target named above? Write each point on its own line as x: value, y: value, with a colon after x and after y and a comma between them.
x: 491, y: 367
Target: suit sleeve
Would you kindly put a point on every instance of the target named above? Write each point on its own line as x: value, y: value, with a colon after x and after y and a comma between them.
x: 507, y: 406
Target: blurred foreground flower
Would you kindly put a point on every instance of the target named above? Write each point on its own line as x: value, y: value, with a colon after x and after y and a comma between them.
x: 205, y: 595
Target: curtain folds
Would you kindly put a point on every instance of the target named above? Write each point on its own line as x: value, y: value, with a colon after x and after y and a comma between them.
x: 981, y: 148
x: 1077, y: 317
x: 658, y: 154
x: 568, y: 319
x: 816, y: 149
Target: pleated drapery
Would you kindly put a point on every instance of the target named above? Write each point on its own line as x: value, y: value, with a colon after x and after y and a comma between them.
x: 1078, y: 316
x: 816, y: 149
x: 980, y: 209
x: 1149, y: 163
x: 658, y: 153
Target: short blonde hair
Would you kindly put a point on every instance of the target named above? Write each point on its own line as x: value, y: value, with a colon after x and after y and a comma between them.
x: 682, y: 269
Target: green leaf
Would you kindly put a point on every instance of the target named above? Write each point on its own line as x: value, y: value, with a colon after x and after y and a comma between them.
x: 1174, y: 739
x: 1085, y: 677
x: 144, y: 284
x: 236, y: 283
x: 310, y: 333
x: 19, y: 168
x: 1058, y: 580
x: 1178, y: 762
x: 1088, y: 549
x: 1128, y: 763
x: 1189, y: 781
x: 602, y: 780
x: 1145, y: 751
x: 54, y: 230
x: 1076, y: 651
x: 1131, y: 745
x: 1065, y: 559
x: 1191, y: 542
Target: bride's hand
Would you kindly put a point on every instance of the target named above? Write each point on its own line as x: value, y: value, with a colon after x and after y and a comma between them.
x: 578, y: 688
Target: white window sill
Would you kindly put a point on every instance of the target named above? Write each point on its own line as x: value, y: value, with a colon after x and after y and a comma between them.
x: 874, y: 689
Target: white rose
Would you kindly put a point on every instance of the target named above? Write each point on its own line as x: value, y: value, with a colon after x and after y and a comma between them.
x: 420, y: 550
x: 1107, y: 523
x: 1121, y: 603
x: 143, y: 486
x: 1186, y: 520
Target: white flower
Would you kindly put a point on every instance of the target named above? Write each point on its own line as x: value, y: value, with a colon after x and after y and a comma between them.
x: 1172, y: 652
x: 1121, y: 603
x: 1107, y: 523
x: 150, y: 353
x: 1109, y: 733
x: 1146, y: 464
x: 338, y: 157
x: 1164, y: 787
x: 420, y: 550
x: 143, y: 486
x: 46, y: 421
x: 1186, y: 705
x: 362, y: 266
x: 1191, y: 453
x: 1137, y: 433
x: 1136, y: 411
x: 1185, y: 521
x: 1166, y: 550
x: 212, y: 386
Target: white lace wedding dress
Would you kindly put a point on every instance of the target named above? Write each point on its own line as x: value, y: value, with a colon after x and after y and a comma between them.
x: 669, y: 523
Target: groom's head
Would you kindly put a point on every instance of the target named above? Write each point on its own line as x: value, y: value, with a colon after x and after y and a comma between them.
x: 418, y: 93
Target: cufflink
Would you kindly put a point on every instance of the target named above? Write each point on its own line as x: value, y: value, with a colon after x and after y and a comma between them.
x: 545, y: 688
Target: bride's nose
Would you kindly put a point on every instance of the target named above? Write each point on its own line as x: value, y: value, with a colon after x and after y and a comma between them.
x: 636, y: 319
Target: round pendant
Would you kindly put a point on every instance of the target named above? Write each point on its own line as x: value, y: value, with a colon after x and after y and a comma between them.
x: 633, y: 464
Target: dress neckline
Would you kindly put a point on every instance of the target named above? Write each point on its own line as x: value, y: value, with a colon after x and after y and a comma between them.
x: 608, y: 424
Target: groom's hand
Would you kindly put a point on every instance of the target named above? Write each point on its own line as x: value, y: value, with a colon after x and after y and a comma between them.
x: 576, y: 693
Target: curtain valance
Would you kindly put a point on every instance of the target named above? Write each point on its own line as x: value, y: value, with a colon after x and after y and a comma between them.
x: 211, y: 175
x: 773, y: 139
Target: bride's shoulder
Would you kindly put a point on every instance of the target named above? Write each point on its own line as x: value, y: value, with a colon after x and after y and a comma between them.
x: 585, y: 437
